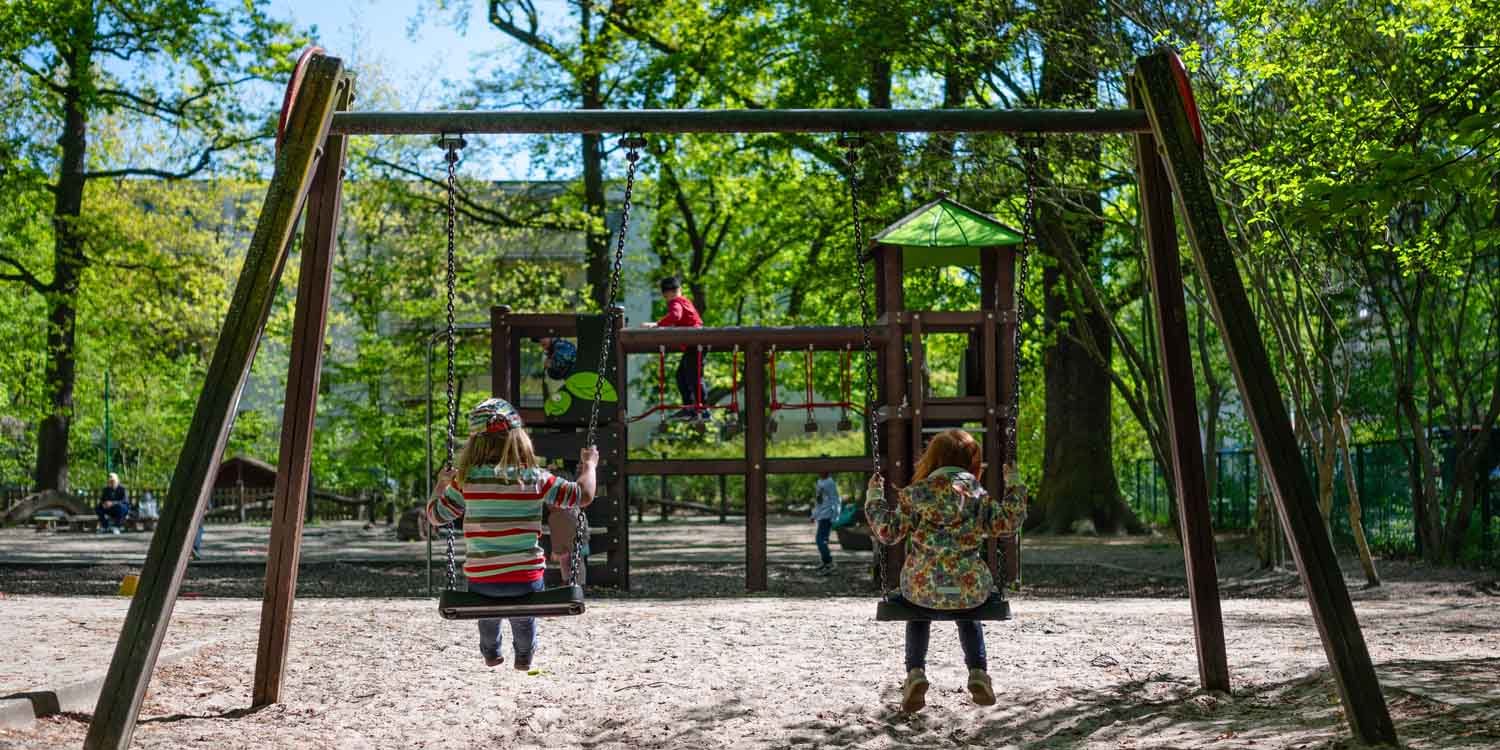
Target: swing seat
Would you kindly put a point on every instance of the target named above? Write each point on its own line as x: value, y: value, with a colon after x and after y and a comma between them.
x: 564, y: 601
x: 896, y: 609
x: 810, y: 426
x: 846, y: 425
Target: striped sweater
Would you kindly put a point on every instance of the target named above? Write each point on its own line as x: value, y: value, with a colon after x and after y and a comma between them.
x: 503, y: 520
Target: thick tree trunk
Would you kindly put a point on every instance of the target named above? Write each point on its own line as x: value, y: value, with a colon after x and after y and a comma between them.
x: 67, y: 267
x: 596, y: 239
x: 1078, y: 473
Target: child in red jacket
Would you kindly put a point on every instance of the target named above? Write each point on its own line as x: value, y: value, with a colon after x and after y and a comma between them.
x: 682, y: 314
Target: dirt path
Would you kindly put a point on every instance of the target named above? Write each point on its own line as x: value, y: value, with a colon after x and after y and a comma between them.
x: 803, y: 672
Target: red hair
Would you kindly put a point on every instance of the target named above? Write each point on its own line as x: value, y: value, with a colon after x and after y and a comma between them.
x: 949, y: 448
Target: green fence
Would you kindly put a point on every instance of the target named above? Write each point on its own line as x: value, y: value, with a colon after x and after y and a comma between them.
x: 1382, y: 472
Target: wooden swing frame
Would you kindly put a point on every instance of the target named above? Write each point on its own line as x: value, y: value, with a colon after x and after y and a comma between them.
x: 307, y: 182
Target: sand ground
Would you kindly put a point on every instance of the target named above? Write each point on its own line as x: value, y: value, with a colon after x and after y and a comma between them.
x: 778, y: 673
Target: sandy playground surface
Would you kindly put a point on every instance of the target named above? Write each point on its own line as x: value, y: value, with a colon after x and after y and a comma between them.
x: 754, y: 672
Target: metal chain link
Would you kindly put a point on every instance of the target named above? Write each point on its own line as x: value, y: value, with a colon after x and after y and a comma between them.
x: 1028, y: 238
x: 632, y: 145
x: 451, y: 144
x: 851, y: 145
x: 1028, y: 148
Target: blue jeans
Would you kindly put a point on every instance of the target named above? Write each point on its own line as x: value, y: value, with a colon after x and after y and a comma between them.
x: 116, y: 513
x: 970, y: 637
x: 825, y: 527
x: 522, y: 629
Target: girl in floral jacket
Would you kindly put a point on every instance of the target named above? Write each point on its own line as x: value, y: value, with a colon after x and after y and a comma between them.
x: 945, y: 515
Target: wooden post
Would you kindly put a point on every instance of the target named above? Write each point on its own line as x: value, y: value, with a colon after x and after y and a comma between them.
x: 502, y: 376
x: 619, y: 554
x: 203, y: 447
x: 897, y: 377
x: 661, y: 495
x: 1164, y: 264
x: 239, y: 499
x: 723, y: 498
x: 755, y: 468
x: 918, y: 383
x: 293, y: 476
x: 1161, y: 87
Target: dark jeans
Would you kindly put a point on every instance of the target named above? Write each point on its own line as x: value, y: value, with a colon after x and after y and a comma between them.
x: 825, y: 527
x: 116, y: 513
x: 522, y: 629
x: 198, y: 539
x: 688, y: 382
x: 970, y: 637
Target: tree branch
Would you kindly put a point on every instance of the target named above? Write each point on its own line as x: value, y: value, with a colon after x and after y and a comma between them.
x: 23, y: 275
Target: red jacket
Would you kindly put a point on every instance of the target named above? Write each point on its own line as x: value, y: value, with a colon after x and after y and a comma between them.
x: 680, y: 314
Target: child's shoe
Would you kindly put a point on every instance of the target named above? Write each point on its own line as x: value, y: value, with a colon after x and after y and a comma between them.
x: 914, y: 692
x: 494, y: 661
x: 980, y: 687
x: 523, y: 662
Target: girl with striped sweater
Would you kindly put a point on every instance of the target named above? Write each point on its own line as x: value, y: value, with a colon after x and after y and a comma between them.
x: 501, y: 491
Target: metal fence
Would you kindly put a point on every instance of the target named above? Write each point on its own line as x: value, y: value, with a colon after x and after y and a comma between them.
x: 241, y: 504
x: 1383, y: 474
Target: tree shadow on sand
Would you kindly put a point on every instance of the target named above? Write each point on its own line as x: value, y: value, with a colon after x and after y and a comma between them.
x: 1435, y: 703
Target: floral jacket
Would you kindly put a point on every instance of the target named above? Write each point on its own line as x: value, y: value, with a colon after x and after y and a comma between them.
x: 945, y: 519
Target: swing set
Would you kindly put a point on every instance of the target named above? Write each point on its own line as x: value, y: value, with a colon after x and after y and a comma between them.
x: 306, y: 183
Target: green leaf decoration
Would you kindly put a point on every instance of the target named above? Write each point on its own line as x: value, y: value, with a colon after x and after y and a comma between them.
x: 557, y: 404
x: 581, y: 384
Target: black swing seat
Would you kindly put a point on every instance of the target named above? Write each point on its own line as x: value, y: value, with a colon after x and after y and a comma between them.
x: 896, y: 609
x: 563, y: 601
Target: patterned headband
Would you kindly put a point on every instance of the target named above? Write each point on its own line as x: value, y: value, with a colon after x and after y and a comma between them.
x: 494, y: 415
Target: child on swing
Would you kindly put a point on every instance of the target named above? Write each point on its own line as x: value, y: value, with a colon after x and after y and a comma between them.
x: 502, y: 491
x: 944, y: 515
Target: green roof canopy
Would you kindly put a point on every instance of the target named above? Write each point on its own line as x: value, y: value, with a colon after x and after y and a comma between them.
x: 946, y: 233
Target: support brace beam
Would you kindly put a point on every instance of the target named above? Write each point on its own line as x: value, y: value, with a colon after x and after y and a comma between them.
x: 1164, y: 260
x: 166, y: 561
x: 1348, y: 657
x: 310, y: 322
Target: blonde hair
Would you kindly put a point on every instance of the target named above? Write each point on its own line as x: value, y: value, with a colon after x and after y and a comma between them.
x: 503, y: 450
x: 949, y: 448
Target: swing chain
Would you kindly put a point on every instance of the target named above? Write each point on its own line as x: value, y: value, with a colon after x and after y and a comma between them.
x: 632, y: 145
x: 451, y: 144
x: 852, y: 145
x: 1028, y: 147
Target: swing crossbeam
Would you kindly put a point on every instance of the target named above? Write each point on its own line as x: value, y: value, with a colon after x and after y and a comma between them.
x: 743, y: 121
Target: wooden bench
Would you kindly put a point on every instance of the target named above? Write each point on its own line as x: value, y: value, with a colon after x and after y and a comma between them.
x: 48, y: 523
x: 83, y: 522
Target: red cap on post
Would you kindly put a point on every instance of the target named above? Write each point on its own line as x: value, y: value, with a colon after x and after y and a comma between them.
x: 292, y: 87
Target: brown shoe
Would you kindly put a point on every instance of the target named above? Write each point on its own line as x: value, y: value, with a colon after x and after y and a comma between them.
x: 493, y: 661
x: 980, y: 687
x: 523, y: 662
x: 914, y: 692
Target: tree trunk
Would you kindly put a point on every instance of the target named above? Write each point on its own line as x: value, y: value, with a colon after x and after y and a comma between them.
x: 1327, y: 460
x: 596, y: 239
x: 67, y: 268
x: 1078, y: 473
x: 1366, y: 560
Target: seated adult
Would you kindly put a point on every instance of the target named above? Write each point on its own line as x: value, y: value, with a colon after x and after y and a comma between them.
x: 114, y: 506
